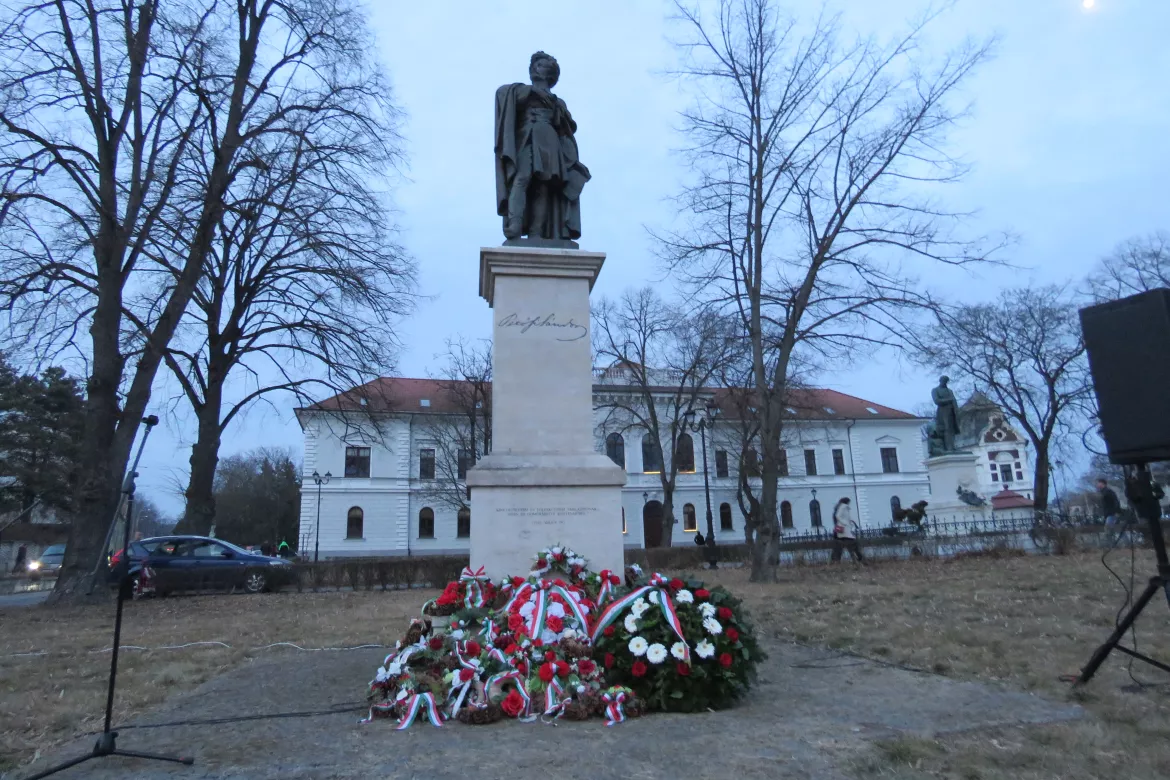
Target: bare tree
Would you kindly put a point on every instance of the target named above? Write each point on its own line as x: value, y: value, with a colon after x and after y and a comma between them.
x: 811, y: 162
x: 662, y: 361
x: 1135, y: 266
x: 303, y: 284
x: 463, y: 435
x: 1025, y: 352
x: 118, y: 118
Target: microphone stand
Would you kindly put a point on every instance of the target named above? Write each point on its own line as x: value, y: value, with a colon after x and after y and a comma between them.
x: 106, y: 744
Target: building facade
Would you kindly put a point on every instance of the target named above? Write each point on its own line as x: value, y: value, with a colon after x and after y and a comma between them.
x: 396, y: 451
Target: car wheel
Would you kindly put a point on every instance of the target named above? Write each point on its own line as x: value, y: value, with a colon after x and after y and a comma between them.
x: 254, y: 582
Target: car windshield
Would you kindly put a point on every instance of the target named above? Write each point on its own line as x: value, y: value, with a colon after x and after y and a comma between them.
x: 54, y: 549
x: 52, y: 557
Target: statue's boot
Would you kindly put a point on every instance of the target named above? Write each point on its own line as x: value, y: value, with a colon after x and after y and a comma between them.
x: 513, y: 228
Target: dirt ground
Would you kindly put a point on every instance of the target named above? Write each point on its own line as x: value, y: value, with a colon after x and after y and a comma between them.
x: 1013, y: 624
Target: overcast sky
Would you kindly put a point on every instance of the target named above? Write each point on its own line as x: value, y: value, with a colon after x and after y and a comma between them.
x: 1067, y: 140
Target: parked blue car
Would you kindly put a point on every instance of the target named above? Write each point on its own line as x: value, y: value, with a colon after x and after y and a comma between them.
x: 200, y: 563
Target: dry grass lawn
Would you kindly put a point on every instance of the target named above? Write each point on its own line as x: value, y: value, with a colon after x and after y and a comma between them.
x: 1022, y: 621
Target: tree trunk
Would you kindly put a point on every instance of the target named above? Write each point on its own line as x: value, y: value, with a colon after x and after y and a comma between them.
x: 1040, y: 481
x: 200, y: 493
x: 667, y: 517
x: 766, y: 551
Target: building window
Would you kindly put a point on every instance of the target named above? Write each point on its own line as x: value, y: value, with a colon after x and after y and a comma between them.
x: 651, y: 455
x: 357, y: 461
x: 785, y: 514
x: 810, y: 462
x: 464, y: 463
x: 685, y: 454
x: 751, y: 463
x: 725, y: 518
x: 895, y: 507
x: 463, y: 523
x: 354, y: 522
x: 426, y: 523
x: 615, y: 449
x: 994, y: 473
x: 814, y: 513
x: 624, y: 529
x: 690, y: 522
x: 782, y: 467
x: 1005, y: 473
x: 889, y: 460
x: 426, y: 464
x: 838, y: 462
x: 721, y: 464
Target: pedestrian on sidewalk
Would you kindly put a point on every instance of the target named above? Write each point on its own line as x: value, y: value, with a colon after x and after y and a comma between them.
x: 845, y: 530
x: 1110, y: 506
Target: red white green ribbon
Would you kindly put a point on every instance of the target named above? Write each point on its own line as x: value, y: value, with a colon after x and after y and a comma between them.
x: 473, y: 598
x: 489, y: 631
x: 420, y: 702
x: 614, y: 698
x: 665, y: 603
x: 387, y: 707
x: 555, y: 699
x: 606, y: 592
x: 496, y: 683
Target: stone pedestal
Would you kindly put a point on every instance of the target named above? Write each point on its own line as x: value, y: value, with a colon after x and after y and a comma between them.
x: 543, y: 482
x: 947, y: 473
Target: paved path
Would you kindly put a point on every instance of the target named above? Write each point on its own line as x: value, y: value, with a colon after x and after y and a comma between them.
x: 810, y: 711
x: 27, y: 599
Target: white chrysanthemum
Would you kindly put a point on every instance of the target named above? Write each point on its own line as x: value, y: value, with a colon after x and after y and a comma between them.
x: 548, y: 637
x: 395, y: 669
x: 679, y: 651
x: 457, y: 633
x: 556, y: 610
x: 569, y: 633
x: 402, y: 694
x: 653, y: 597
x: 656, y: 653
x: 639, y: 608
x: 684, y: 597
x: 705, y: 649
x: 638, y: 646
x: 707, y: 610
x: 712, y: 626
x: 382, y: 675
x: 527, y: 608
x: 631, y: 623
x: 555, y: 550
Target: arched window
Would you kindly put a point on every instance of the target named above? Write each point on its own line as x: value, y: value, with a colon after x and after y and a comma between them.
x: 751, y: 462
x: 651, y: 456
x: 426, y: 523
x: 615, y: 448
x: 684, y: 454
x: 690, y: 522
x: 353, y: 523
x: 725, y: 517
x: 814, y: 513
x: 785, y: 514
x: 463, y: 523
x: 895, y: 507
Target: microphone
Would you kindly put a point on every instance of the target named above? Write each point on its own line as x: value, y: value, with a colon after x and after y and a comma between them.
x: 150, y: 421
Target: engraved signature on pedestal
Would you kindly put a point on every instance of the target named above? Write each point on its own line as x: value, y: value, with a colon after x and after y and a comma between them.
x: 571, y: 331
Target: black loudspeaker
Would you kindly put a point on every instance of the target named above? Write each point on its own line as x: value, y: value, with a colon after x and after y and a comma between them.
x: 1128, y: 343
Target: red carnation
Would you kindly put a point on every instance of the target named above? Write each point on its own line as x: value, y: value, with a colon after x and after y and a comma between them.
x: 473, y: 649
x: 547, y: 672
x: 677, y: 584
x: 538, y: 643
x: 725, y: 660
x: 702, y: 593
x: 502, y: 641
x: 609, y: 660
x: 517, y: 582
x: 724, y: 613
x: 684, y: 670
x: 554, y: 624
x: 513, y: 704
x: 522, y: 667
x: 585, y: 666
x: 608, y: 631
x: 614, y: 579
x: 465, y: 675
x: 558, y: 581
x: 436, y: 643
x: 512, y: 649
x: 559, y: 557
x: 562, y: 669
x: 639, y: 669
x: 550, y: 656
x: 556, y: 598
x: 515, y: 622
x: 732, y: 635
x: 541, y: 562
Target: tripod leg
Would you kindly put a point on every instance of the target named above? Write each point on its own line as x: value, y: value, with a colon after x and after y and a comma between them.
x: 54, y: 770
x: 1156, y: 584
x: 154, y: 756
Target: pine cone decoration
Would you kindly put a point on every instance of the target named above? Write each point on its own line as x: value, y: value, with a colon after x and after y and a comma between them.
x: 480, y: 715
x: 413, y: 634
x: 579, y: 709
x: 572, y: 649
x: 635, y: 708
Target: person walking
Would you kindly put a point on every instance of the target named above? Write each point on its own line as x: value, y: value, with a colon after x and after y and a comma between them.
x: 1110, y: 506
x: 21, y: 560
x: 845, y: 530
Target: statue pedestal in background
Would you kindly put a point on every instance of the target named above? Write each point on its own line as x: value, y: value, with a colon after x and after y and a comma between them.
x: 950, y: 474
x: 543, y: 482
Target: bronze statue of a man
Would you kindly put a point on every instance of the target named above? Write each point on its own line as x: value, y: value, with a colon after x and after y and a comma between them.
x: 946, y: 416
x: 538, y: 175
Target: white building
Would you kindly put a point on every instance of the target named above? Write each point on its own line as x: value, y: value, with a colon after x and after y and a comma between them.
x: 1002, y: 459
x: 395, y: 467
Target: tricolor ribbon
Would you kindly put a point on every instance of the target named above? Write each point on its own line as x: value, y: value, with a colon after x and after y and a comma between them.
x: 473, y: 598
x: 665, y: 603
x: 496, y: 682
x: 417, y: 702
x: 489, y: 631
x: 520, y: 594
x: 614, y: 698
x: 539, y: 616
x: 606, y: 592
x: 389, y: 706
x: 554, y: 699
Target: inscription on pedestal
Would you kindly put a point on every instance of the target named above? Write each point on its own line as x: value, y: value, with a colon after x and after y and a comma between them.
x: 567, y: 330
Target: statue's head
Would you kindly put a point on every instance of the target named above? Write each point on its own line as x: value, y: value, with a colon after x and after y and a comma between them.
x: 942, y: 380
x: 544, y: 67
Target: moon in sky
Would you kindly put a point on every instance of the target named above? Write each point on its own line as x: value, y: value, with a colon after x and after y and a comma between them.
x: 1088, y: 4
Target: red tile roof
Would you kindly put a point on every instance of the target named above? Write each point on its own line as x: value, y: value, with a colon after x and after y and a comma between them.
x: 1010, y: 499
x: 393, y: 394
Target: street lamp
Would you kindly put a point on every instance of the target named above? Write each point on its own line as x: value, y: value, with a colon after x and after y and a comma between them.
x: 705, y: 422
x: 320, y: 480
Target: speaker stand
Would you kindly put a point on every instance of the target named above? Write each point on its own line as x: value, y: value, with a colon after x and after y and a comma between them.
x: 1143, y: 494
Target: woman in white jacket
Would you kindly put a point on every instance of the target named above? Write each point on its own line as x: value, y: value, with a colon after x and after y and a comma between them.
x: 845, y: 531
